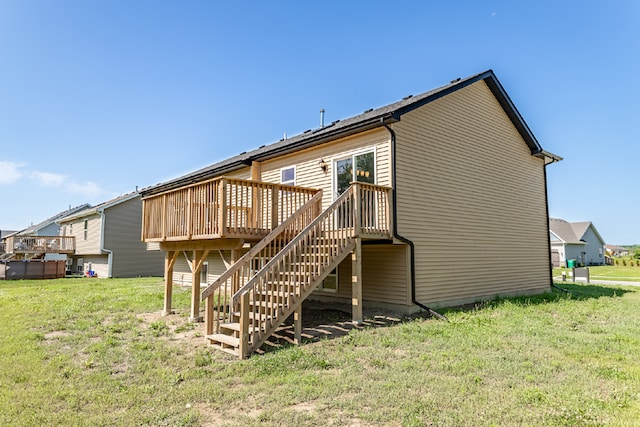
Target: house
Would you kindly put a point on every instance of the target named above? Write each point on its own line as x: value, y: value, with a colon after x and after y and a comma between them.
x: 108, y: 242
x: 436, y: 200
x: 3, y: 235
x: 578, y: 241
x: 42, y: 241
x: 616, y: 251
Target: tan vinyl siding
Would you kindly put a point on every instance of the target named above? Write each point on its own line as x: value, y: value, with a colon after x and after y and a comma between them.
x: 90, y: 246
x: 244, y: 173
x: 384, y: 276
x: 472, y: 199
x: 122, y: 237
x: 99, y: 264
x: 216, y: 266
x: 308, y: 171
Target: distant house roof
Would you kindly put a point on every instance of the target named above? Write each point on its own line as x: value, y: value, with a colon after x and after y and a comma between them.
x: 5, y: 233
x: 616, y: 248
x: 370, y: 119
x: 34, y: 228
x: 572, y: 232
x: 99, y: 208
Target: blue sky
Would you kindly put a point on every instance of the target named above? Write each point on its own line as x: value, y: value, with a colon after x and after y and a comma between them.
x: 98, y: 97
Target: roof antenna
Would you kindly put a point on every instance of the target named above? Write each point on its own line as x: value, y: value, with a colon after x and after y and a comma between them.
x: 322, y: 117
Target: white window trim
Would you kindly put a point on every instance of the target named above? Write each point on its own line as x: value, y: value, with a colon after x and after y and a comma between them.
x: 295, y: 175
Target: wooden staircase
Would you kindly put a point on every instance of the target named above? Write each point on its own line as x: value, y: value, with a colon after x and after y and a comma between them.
x: 247, y: 303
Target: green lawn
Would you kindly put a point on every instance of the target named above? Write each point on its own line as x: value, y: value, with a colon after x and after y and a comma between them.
x: 94, y: 352
x: 608, y: 272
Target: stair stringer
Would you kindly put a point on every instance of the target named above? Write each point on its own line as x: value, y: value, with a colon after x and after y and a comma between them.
x: 259, y: 337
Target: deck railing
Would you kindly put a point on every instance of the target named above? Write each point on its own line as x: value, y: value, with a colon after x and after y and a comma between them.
x: 267, y: 286
x: 221, y: 207
x: 219, y: 293
x: 40, y: 244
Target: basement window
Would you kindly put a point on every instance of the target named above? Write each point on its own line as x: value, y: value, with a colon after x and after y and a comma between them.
x: 330, y: 283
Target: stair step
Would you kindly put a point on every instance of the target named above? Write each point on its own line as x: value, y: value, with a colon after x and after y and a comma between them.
x: 227, y: 340
x: 235, y: 327
x: 266, y: 304
x: 253, y: 316
x: 275, y: 293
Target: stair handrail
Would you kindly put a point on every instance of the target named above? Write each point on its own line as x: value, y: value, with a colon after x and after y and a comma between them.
x: 269, y: 315
x: 309, y: 206
x: 292, y: 243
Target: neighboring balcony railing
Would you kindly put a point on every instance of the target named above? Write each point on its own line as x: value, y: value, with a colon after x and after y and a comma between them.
x: 40, y: 244
x: 220, y: 208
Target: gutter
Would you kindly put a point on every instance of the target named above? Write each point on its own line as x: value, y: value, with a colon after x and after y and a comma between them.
x: 395, y: 228
x: 548, y: 159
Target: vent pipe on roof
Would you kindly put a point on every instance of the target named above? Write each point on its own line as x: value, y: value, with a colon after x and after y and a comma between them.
x: 322, y: 117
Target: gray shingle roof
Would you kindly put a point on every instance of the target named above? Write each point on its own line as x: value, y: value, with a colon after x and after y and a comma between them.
x: 91, y: 210
x: 570, y: 232
x: 368, y: 120
x: 32, y: 229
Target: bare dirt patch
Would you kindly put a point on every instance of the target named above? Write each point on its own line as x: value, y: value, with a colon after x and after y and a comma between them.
x: 56, y: 334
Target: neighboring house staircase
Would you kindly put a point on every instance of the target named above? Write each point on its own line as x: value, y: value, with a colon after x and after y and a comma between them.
x: 248, y: 302
x: 6, y: 256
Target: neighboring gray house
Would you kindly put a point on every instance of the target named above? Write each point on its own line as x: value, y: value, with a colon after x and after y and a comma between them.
x: 47, y: 228
x: 579, y: 241
x: 108, y: 240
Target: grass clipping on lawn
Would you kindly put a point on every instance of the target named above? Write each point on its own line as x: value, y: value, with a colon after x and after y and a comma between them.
x: 97, y: 352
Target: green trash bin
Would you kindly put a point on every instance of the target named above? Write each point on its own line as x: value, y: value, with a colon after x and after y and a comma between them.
x: 571, y: 263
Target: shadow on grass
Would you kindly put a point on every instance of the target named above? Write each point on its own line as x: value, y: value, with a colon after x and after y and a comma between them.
x: 560, y: 292
x: 322, y: 322
x: 588, y: 291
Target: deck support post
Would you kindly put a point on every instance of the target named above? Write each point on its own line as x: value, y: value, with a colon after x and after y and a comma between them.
x: 356, y: 283
x: 244, y: 325
x: 169, y: 260
x: 208, y: 319
x: 297, y: 325
x: 196, y: 266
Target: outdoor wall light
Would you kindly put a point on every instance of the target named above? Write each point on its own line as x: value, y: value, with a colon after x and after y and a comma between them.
x: 323, y: 165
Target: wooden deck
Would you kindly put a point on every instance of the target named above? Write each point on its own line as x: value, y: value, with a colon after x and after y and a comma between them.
x: 38, y: 245
x: 248, y: 302
x: 222, y: 208
x: 294, y: 246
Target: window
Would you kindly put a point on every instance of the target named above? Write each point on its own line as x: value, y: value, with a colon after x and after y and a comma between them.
x: 80, y: 265
x: 359, y: 167
x: 330, y: 283
x: 288, y: 176
x: 86, y: 229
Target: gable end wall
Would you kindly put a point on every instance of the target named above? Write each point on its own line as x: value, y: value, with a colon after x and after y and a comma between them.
x: 472, y: 199
x: 122, y: 237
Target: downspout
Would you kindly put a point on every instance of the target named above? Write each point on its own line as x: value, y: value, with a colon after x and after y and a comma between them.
x: 564, y: 247
x: 395, y: 228
x: 102, y: 248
